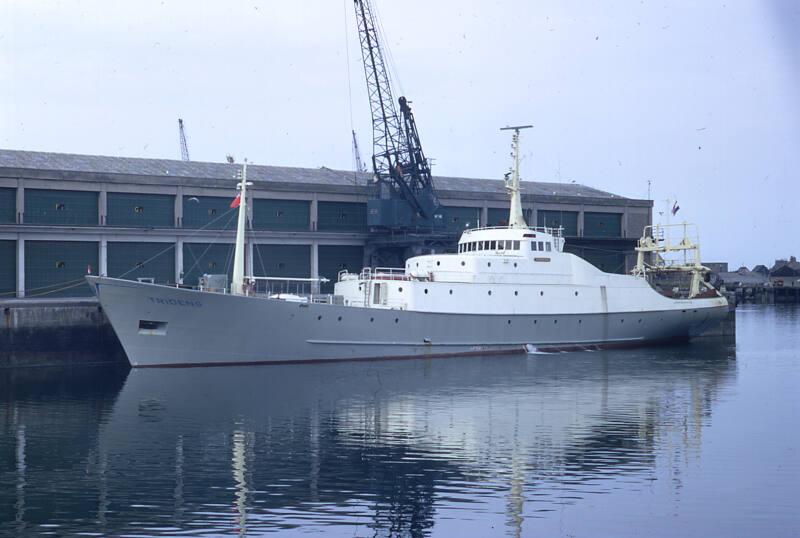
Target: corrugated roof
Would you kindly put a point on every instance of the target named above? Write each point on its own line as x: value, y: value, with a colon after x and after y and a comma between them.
x: 37, y: 160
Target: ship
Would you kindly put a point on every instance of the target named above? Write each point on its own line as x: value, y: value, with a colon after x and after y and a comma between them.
x: 506, y: 289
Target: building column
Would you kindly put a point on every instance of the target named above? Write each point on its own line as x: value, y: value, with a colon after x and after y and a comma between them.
x: 624, y: 223
x: 249, y: 259
x: 179, y: 261
x: 103, y: 258
x: 20, y: 202
x: 314, y: 260
x: 179, y: 207
x: 580, y: 222
x: 20, y: 267
x: 313, y: 213
x: 484, y: 216
x: 102, y: 205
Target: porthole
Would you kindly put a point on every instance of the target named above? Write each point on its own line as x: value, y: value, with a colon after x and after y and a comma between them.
x: 339, y: 318
x: 555, y: 321
x: 451, y: 292
x: 535, y: 321
x: 396, y: 320
x: 489, y: 264
x: 576, y: 294
x: 463, y: 264
x: 516, y: 292
x: 438, y: 263
x: 426, y: 291
x: 400, y: 288
x: 509, y: 322
x: 490, y: 292
x: 417, y: 264
x: 580, y: 321
x: 138, y: 209
x: 60, y: 265
x: 319, y: 318
x: 515, y: 264
x: 541, y: 294
x: 371, y: 320
x: 622, y: 321
x: 640, y: 320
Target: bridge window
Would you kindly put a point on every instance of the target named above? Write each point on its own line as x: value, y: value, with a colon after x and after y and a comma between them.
x: 541, y: 245
x: 533, y: 245
x: 547, y: 245
x: 493, y: 245
x: 486, y: 245
x: 516, y: 245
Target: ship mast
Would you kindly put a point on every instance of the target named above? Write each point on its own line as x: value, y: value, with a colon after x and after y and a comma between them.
x: 516, y: 219
x: 237, y: 282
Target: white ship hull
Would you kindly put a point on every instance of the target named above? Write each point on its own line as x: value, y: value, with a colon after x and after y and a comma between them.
x: 184, y: 327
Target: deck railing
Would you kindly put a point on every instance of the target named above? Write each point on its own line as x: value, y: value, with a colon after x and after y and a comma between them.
x: 555, y: 232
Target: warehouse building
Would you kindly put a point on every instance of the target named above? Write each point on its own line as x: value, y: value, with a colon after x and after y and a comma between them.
x: 63, y: 216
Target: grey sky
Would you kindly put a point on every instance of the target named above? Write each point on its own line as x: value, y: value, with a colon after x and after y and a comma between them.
x: 700, y: 97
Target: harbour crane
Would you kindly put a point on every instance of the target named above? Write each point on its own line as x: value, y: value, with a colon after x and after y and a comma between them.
x: 405, y: 196
x: 357, y: 155
x: 182, y: 137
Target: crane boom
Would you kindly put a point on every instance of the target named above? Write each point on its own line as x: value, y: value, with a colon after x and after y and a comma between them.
x: 406, y: 196
x: 182, y: 137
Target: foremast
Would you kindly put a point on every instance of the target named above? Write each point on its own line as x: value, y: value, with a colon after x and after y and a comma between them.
x: 237, y: 282
x: 516, y: 219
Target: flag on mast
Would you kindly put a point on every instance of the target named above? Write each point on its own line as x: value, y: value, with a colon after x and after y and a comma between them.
x: 236, y: 201
x: 675, y: 207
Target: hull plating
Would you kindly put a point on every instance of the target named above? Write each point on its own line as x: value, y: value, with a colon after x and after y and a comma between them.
x: 193, y: 328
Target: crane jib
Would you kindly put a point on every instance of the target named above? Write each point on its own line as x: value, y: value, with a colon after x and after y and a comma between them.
x: 405, y: 196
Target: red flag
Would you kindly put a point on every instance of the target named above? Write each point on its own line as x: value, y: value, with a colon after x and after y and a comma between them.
x: 236, y: 201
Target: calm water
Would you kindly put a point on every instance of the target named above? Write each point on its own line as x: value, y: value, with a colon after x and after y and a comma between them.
x: 695, y: 440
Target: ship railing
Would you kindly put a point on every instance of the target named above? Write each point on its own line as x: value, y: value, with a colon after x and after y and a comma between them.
x: 555, y: 232
x: 287, y: 288
x: 376, y: 273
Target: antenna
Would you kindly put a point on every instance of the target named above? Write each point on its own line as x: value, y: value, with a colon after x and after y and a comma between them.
x: 516, y: 219
x: 182, y: 136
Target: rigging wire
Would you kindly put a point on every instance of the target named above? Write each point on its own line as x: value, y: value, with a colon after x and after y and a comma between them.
x: 69, y: 284
x: 384, y: 39
x: 353, y: 160
x: 197, y: 260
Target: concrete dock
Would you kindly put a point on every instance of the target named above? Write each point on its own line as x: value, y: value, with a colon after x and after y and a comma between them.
x: 47, y: 332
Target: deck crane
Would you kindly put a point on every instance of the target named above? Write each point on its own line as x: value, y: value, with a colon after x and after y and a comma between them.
x: 182, y: 137
x: 405, y: 194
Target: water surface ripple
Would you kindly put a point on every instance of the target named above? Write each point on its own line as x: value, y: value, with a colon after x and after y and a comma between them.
x: 691, y: 440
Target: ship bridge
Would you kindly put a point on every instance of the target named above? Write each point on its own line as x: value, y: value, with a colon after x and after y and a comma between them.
x: 510, y: 240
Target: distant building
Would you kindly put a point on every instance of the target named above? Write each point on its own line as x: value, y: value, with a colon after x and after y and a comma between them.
x: 63, y: 216
x: 785, y: 273
x: 717, y: 267
x: 741, y: 278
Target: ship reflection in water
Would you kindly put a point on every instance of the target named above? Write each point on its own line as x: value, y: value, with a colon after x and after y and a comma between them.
x: 475, y: 446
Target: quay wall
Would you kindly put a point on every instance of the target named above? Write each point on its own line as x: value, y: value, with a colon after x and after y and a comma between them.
x: 66, y: 332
